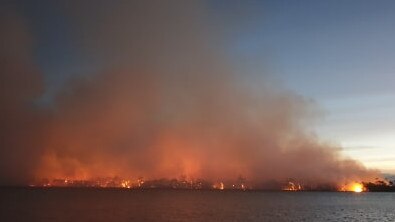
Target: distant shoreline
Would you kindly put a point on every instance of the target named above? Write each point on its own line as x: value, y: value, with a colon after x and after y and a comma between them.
x: 183, y: 189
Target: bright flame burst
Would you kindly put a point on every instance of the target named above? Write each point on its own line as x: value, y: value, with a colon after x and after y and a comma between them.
x: 357, y: 187
x: 354, y: 187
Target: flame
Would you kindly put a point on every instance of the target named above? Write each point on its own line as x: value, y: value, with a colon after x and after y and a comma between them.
x: 182, y: 183
x: 219, y: 186
x: 291, y: 186
x: 126, y: 184
x: 353, y: 187
x: 357, y: 187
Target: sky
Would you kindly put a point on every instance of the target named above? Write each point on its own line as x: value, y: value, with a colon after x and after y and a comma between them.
x: 340, y: 54
x: 337, y: 54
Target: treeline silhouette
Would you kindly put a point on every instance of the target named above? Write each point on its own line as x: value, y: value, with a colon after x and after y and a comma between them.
x: 385, y: 185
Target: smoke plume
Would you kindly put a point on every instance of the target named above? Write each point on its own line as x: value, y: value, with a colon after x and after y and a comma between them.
x: 164, y: 101
x: 21, y: 123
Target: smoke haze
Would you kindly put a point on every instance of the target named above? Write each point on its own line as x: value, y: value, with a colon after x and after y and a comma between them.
x: 21, y: 124
x: 165, y: 101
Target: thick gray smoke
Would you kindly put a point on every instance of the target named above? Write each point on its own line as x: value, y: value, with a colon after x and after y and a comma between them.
x: 165, y: 102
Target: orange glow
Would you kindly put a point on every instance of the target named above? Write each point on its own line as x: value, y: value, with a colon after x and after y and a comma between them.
x: 357, y: 187
x: 292, y: 187
x: 219, y: 186
x: 353, y: 187
x: 126, y: 184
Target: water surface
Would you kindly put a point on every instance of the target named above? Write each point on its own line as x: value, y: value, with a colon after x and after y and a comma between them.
x: 22, y: 204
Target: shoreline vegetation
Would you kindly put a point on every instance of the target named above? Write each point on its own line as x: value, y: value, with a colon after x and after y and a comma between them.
x: 372, y: 190
x: 241, y: 184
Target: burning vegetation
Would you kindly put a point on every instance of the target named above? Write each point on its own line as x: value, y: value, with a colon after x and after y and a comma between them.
x: 140, y: 183
x: 353, y: 187
x: 200, y: 184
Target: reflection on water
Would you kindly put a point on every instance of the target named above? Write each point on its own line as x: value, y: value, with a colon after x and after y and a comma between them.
x: 19, y: 204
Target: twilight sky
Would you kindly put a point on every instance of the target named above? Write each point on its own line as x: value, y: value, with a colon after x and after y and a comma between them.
x: 340, y: 54
x: 337, y: 53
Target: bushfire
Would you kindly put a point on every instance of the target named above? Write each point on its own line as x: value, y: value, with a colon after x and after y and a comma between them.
x: 292, y: 186
x: 140, y: 183
x: 353, y: 187
x: 192, y: 184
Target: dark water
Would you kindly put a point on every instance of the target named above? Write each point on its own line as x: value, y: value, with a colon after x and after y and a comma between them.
x: 177, y: 205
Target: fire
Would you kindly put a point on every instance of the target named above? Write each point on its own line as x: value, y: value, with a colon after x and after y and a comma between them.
x: 357, y: 187
x: 126, y: 184
x: 354, y: 187
x: 291, y: 186
x: 184, y: 183
x: 219, y: 186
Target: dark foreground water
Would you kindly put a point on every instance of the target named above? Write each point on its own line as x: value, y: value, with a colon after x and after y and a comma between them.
x: 178, y: 205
